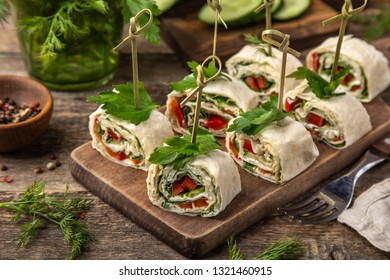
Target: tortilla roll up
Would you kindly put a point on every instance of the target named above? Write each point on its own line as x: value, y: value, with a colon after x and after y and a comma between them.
x: 222, y: 100
x: 204, y: 187
x: 369, y: 74
x: 260, y: 72
x: 277, y: 153
x: 126, y: 143
x: 338, y: 121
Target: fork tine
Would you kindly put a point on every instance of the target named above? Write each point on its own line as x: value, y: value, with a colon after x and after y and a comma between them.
x: 329, y: 217
x: 301, y: 204
x: 317, y: 209
x: 314, y: 206
x: 320, y: 214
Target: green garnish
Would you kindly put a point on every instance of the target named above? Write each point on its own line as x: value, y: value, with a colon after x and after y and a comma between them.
x: 189, y: 82
x: 253, y: 121
x: 261, y: 46
x: 282, y: 249
x: 64, y: 212
x: 179, y: 150
x: 66, y: 21
x: 121, y: 103
x: 131, y: 7
x: 376, y: 23
x: 234, y: 251
x: 3, y: 9
x: 321, y: 87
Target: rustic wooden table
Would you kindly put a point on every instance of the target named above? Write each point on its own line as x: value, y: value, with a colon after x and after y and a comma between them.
x: 117, y: 236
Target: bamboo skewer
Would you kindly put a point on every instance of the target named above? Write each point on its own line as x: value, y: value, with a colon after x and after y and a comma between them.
x: 134, y: 31
x: 346, y: 12
x: 284, y: 47
x: 268, y: 20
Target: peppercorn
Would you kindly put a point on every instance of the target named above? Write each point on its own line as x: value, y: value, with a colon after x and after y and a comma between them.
x: 38, y: 170
x: 50, y: 166
x: 10, y: 112
x: 53, y: 156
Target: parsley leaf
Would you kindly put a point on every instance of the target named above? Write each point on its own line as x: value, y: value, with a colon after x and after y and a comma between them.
x: 321, y: 87
x: 131, y: 7
x: 189, y: 82
x: 255, y: 120
x: 179, y: 150
x: 121, y: 103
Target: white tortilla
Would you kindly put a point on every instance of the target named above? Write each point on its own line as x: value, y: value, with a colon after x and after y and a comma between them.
x: 150, y: 134
x: 346, y: 111
x: 219, y: 175
x: 359, y: 54
x: 232, y: 89
x: 287, y: 149
x: 260, y: 64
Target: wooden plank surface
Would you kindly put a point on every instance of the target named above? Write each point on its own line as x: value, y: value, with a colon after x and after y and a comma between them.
x: 179, y: 25
x: 125, y: 189
x: 118, y: 237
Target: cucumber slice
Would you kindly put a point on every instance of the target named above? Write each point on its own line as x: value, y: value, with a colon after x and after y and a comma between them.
x: 237, y: 12
x: 164, y: 5
x: 291, y: 9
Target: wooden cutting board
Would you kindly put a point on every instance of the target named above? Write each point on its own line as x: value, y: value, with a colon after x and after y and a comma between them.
x: 180, y: 24
x: 125, y: 188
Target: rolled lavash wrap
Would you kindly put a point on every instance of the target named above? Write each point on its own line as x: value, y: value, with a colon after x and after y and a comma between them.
x: 203, y: 187
x: 222, y: 100
x: 277, y: 153
x: 260, y: 72
x: 126, y: 143
x: 338, y: 121
x: 369, y: 74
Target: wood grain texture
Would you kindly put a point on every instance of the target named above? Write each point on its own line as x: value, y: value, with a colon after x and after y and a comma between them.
x: 125, y: 189
x: 179, y: 25
x: 118, y: 237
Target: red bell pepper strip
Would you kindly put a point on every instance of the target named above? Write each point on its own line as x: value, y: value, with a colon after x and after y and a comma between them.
x: 233, y: 148
x: 316, y: 120
x: 248, y: 146
x: 290, y: 104
x: 252, y: 83
x: 113, y: 135
x: 175, y: 105
x: 216, y: 123
x: 261, y: 82
x: 316, y: 62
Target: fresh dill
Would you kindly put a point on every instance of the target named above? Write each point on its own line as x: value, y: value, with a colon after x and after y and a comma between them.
x: 62, y: 23
x: 282, y: 249
x: 34, y: 209
x: 260, y: 45
x: 376, y: 23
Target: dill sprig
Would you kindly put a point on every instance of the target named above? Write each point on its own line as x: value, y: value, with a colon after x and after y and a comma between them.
x: 234, y: 251
x: 3, y: 9
x: 282, y: 249
x: 64, y: 23
x: 39, y: 209
x: 259, y: 44
x: 375, y: 24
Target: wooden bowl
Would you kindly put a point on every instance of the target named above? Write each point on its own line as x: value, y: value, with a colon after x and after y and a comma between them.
x: 24, y: 91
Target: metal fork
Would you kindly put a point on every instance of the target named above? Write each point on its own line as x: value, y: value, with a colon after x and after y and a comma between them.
x: 330, y: 201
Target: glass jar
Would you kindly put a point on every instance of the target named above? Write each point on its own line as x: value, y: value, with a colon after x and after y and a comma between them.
x: 85, y: 62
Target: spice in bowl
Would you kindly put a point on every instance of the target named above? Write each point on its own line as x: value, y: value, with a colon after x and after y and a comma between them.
x: 11, y: 112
